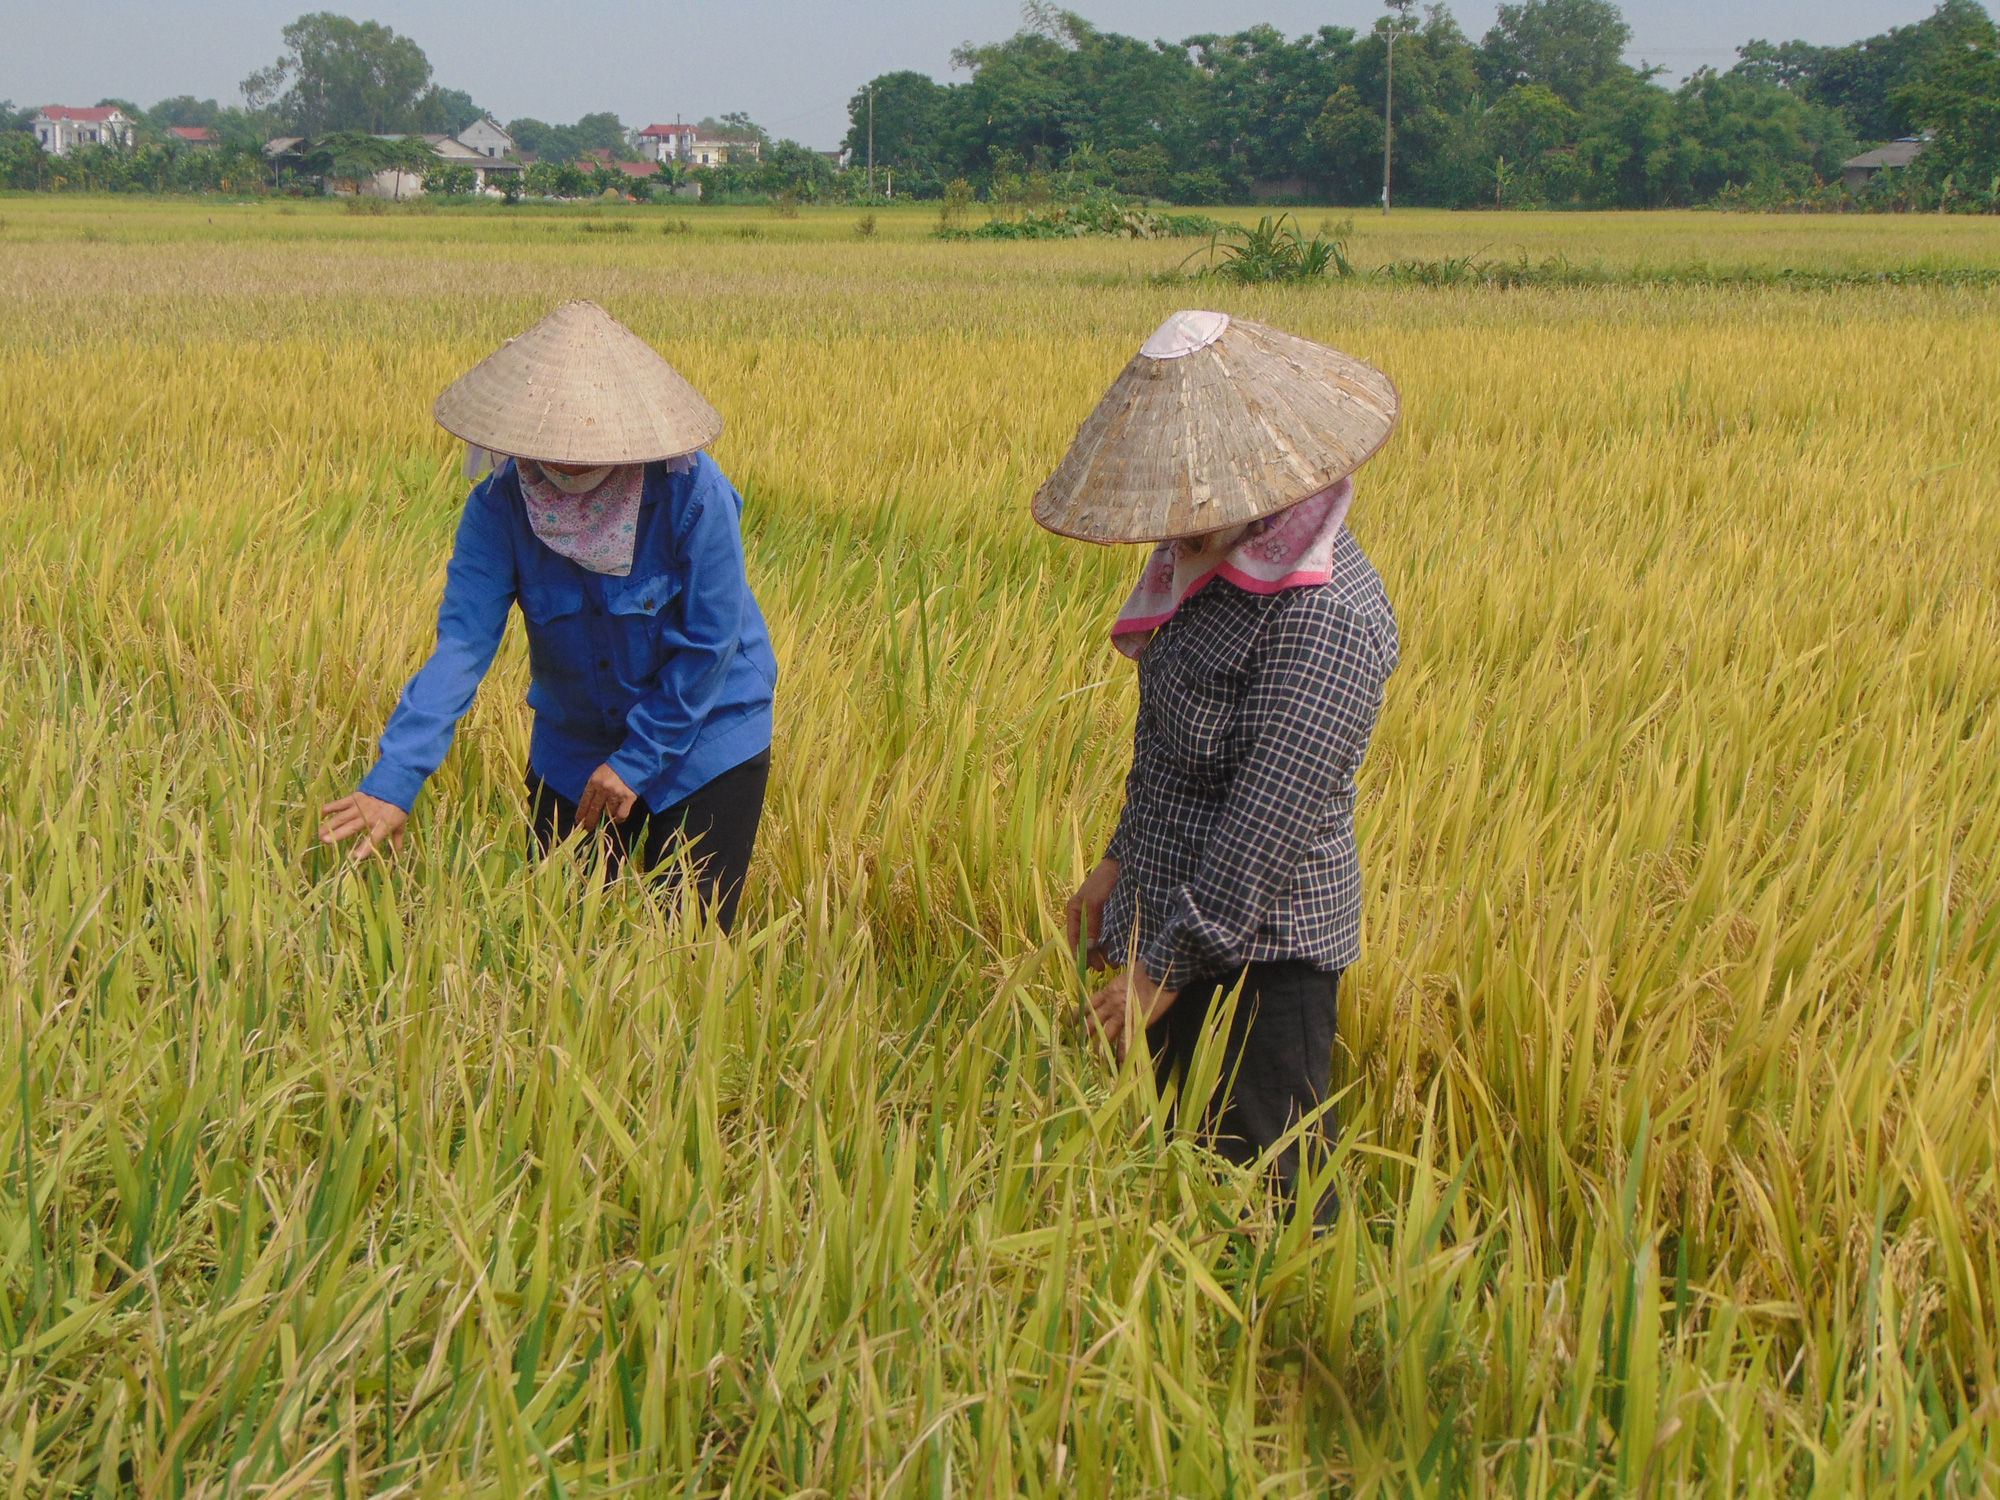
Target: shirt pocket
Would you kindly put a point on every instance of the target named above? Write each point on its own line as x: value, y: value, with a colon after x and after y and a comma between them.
x: 546, y: 603
x: 640, y: 616
x: 557, y: 642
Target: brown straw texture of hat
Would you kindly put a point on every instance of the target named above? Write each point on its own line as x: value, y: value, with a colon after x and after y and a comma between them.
x: 1249, y: 423
x: 578, y: 388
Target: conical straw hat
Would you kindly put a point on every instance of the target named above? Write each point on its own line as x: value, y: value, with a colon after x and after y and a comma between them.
x: 578, y: 388
x: 1216, y: 422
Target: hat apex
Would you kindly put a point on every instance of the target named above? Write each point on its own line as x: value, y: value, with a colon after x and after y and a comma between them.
x: 578, y: 388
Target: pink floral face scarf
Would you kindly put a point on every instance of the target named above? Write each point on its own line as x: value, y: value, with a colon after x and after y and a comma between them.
x: 597, y: 529
x: 1290, y: 550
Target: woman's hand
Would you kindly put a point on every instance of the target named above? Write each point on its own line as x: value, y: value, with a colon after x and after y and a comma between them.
x: 363, y: 814
x: 1086, y: 909
x: 1108, y: 1006
x: 605, y: 792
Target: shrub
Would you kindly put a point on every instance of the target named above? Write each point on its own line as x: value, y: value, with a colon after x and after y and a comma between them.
x: 1095, y: 214
x: 952, y: 210
x: 451, y: 178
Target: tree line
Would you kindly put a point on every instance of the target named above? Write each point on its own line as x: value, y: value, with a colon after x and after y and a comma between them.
x: 1542, y: 111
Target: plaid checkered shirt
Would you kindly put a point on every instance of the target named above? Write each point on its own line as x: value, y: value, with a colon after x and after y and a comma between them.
x: 1237, y: 839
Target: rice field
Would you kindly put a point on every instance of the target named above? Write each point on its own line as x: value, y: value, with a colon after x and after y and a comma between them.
x: 1670, y: 1119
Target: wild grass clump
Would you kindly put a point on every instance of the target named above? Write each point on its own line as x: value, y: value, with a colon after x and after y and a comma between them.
x: 1670, y: 1132
x: 1275, y: 250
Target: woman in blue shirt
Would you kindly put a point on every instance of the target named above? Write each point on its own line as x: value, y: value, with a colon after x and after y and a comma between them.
x: 652, y: 671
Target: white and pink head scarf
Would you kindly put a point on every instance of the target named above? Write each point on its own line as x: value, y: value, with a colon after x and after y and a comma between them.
x: 1290, y: 550
x: 596, y: 526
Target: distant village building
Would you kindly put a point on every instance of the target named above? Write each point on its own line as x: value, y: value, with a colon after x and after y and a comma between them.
x: 192, y: 135
x: 666, y: 143
x: 1858, y: 171
x: 714, y: 151
x: 488, y: 172
x: 487, y: 138
x: 603, y: 156
x: 685, y: 145
x: 60, y: 129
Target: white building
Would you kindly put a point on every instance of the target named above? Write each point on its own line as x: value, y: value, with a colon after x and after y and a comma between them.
x: 688, y: 147
x: 487, y: 138
x: 61, y: 129
x: 488, y: 172
x: 666, y: 143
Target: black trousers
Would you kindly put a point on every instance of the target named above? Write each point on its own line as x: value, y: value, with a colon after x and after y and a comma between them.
x: 1280, y: 1056
x: 718, y: 822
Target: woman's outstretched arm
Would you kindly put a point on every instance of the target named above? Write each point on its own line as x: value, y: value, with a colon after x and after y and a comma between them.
x: 479, y: 590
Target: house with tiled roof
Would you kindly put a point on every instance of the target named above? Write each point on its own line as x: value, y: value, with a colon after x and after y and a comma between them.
x: 665, y: 142
x: 602, y: 156
x: 59, y: 129
x: 1858, y: 171
x: 689, y: 147
x: 488, y: 172
x: 192, y: 135
x: 487, y: 138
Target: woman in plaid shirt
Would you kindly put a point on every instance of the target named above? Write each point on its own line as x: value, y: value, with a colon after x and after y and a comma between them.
x: 1263, y: 645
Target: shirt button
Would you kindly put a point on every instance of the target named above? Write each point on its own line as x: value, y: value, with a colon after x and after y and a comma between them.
x: 603, y: 665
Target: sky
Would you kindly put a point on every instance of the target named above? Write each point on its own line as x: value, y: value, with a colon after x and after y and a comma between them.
x: 791, y: 64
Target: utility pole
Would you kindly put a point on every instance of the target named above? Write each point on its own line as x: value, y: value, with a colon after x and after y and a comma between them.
x: 1388, y: 116
x: 871, y: 140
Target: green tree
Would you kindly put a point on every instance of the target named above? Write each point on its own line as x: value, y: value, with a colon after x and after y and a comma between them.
x: 442, y: 111
x: 1437, y: 107
x: 799, y: 170
x: 548, y: 179
x: 450, y: 177
x: 1571, y: 46
x: 912, y: 123
x: 735, y: 126
x: 15, y: 119
x: 1873, y: 80
x: 1059, y: 86
x: 531, y: 135
x: 1957, y: 100
x: 341, y: 75
x: 185, y: 109
x: 1763, y: 139
x: 24, y: 166
x: 561, y: 144
x: 354, y: 157
x: 1262, y: 108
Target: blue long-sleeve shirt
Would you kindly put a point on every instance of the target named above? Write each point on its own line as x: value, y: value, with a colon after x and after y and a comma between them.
x: 666, y: 674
